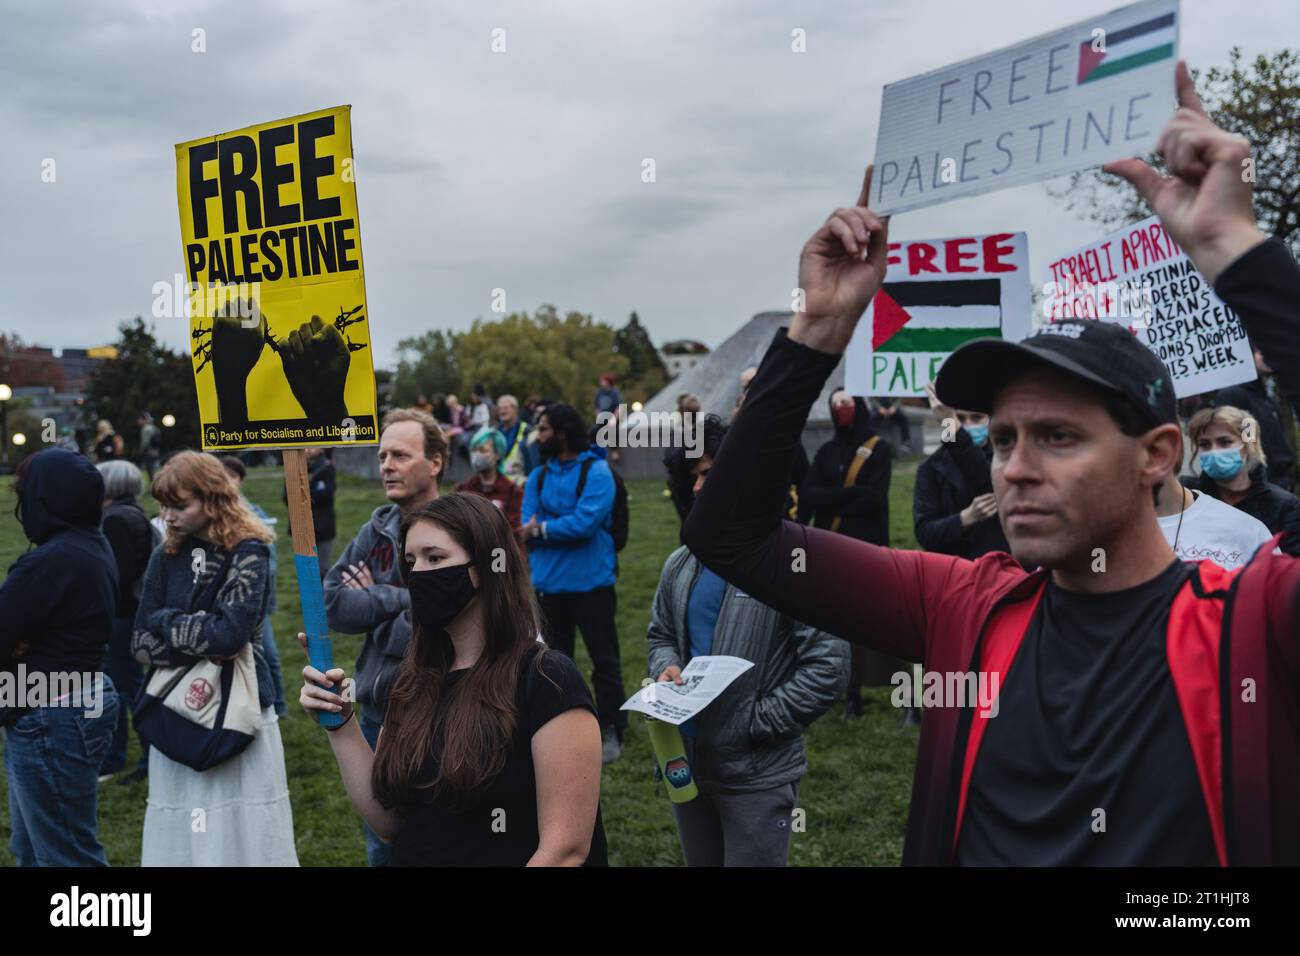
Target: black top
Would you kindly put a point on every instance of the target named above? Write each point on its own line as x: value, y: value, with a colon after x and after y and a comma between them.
x: 497, y: 826
x: 130, y: 536
x: 57, y: 602
x: 947, y: 482
x: 1089, y: 723
x: 863, y: 508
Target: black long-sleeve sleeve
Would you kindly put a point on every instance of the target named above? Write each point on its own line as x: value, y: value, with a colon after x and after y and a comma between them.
x: 855, y: 590
x: 1263, y: 288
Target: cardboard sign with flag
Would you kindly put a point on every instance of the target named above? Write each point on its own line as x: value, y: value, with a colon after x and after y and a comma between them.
x: 938, y: 294
x: 1092, y: 92
x: 1136, y: 46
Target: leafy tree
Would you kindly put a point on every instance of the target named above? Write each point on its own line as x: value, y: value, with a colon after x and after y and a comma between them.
x: 22, y: 364
x: 646, y: 373
x: 427, y: 364
x: 145, y: 376
x: 558, y: 357
x: 1260, y: 102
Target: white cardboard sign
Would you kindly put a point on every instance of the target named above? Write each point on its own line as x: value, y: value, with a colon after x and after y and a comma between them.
x: 1140, y: 278
x: 1094, y: 92
x: 937, y: 294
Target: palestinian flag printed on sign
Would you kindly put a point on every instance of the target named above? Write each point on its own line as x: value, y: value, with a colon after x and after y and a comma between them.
x: 938, y: 294
x: 1121, y: 50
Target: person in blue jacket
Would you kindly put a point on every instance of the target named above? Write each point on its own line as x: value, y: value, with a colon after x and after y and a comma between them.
x: 568, y: 503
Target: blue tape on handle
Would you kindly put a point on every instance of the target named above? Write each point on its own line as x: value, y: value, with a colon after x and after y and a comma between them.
x: 320, y: 650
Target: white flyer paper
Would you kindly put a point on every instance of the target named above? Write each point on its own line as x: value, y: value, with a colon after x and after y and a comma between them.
x: 704, y: 678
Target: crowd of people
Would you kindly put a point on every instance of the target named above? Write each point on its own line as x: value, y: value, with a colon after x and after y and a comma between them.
x: 1138, y: 570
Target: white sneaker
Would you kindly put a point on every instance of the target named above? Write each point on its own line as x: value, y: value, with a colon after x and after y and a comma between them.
x: 610, y: 748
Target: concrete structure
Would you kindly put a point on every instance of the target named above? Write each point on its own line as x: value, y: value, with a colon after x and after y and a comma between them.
x: 682, y: 355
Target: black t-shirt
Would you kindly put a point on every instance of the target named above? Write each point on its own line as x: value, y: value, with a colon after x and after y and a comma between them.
x: 1089, y: 721
x: 497, y: 825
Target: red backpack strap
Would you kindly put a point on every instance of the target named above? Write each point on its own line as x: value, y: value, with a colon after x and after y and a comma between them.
x: 1003, y: 634
x: 1248, y: 807
x: 1193, y: 644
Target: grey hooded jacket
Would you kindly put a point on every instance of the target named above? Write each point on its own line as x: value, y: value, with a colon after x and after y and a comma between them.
x: 382, y: 611
x: 751, y: 737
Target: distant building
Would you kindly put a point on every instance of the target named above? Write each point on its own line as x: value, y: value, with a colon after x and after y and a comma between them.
x: 682, y: 355
x: 79, y: 363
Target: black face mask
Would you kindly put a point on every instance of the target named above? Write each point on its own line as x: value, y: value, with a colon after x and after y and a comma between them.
x: 439, y: 595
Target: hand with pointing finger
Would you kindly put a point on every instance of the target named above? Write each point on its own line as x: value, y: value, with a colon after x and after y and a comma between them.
x: 840, y: 269
x: 1205, y: 202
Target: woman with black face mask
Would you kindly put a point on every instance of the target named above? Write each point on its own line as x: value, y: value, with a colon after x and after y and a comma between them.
x: 490, y: 749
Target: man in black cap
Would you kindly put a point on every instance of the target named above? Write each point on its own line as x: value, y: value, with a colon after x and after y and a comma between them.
x: 1150, y: 709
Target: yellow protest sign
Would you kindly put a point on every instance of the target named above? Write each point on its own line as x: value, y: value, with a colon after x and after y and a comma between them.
x: 279, y: 328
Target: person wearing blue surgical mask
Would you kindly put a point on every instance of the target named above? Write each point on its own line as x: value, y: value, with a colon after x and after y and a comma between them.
x: 953, y: 508
x: 1232, y: 468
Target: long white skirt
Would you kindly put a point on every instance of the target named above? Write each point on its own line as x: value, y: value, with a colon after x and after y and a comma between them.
x: 236, y: 814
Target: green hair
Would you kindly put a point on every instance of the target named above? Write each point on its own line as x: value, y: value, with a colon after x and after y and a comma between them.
x: 486, y: 433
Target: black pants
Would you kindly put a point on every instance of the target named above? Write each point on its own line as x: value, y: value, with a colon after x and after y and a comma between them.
x: 593, y: 613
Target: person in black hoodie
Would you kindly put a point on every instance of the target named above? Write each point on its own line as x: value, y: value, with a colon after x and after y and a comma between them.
x: 1234, y: 469
x: 56, y: 615
x: 952, y: 506
x: 132, y: 539
x: 847, y: 490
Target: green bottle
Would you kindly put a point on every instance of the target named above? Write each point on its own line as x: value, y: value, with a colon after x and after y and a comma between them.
x: 671, y: 754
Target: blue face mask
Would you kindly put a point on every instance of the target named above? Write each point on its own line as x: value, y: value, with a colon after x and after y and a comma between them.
x: 1222, y: 465
x: 979, y: 434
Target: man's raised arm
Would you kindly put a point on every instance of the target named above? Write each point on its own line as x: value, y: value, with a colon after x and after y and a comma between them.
x: 1205, y: 204
x: 852, y: 589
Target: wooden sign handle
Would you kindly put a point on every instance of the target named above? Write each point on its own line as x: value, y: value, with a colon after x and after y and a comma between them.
x: 310, y: 593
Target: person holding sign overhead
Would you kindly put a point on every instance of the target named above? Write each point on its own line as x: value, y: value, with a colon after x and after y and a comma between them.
x: 1123, y: 737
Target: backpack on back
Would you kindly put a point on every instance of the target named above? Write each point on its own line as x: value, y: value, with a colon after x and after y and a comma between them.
x: 619, y: 518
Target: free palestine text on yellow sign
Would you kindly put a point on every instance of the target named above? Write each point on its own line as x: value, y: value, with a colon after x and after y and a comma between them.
x: 278, y: 319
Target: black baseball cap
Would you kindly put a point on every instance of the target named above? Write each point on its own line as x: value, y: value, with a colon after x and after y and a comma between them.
x: 1101, y: 353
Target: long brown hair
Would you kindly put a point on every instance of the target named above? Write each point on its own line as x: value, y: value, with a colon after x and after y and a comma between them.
x: 202, y: 476
x: 472, y: 727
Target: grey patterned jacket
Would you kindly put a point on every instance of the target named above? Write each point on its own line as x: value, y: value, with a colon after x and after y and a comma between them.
x: 751, y: 737
x: 184, y: 616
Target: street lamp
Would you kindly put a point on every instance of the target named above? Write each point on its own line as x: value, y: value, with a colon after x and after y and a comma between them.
x: 6, y: 393
x: 20, y: 439
x: 168, y: 420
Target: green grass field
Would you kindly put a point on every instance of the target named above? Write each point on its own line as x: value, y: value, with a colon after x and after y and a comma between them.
x: 855, y: 795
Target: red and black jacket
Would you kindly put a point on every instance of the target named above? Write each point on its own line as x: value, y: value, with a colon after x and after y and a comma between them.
x: 1233, y: 637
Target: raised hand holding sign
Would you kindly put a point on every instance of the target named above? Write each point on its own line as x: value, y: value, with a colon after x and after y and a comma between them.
x: 840, y: 269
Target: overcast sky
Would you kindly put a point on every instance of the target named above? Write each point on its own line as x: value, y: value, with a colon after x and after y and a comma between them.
x: 519, y: 170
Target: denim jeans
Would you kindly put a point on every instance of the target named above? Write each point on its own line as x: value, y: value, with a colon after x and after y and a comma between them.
x: 273, y: 660
x: 128, y: 676
x: 52, y: 758
x: 377, y: 851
